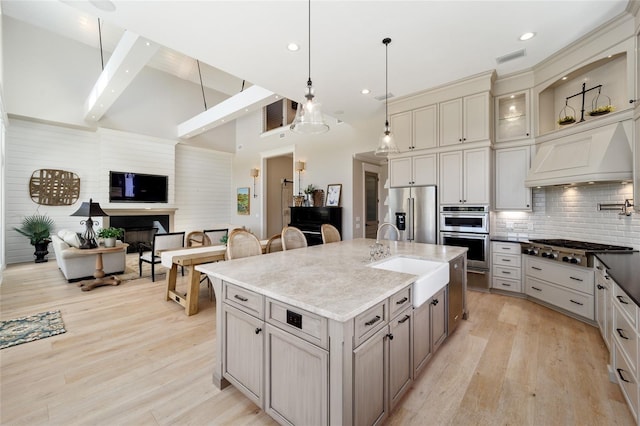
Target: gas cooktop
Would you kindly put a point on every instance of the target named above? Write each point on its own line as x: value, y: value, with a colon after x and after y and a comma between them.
x: 579, y: 245
x: 578, y: 253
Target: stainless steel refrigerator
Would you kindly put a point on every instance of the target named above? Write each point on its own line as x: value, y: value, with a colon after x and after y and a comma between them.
x: 414, y: 210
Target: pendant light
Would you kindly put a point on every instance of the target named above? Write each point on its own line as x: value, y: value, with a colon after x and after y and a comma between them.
x: 309, y: 119
x: 387, y: 144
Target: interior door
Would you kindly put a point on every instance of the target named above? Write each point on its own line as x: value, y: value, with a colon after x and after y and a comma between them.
x: 371, y: 204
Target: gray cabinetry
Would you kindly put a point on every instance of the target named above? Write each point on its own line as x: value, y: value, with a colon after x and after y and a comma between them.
x: 243, y: 355
x: 604, y: 308
x: 400, y: 366
x: 438, y: 305
x: 297, y: 383
x: 457, y: 290
x: 370, y: 380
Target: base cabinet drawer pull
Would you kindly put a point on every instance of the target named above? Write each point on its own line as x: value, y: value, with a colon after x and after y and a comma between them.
x: 600, y: 287
x: 619, y: 330
x: 506, y: 260
x: 434, y: 302
x: 506, y: 272
x: 403, y: 320
x: 240, y: 298
x: 621, y: 300
x: 577, y: 303
x: 536, y: 288
x: 506, y: 284
x: 576, y: 279
x: 536, y: 268
x: 620, y: 370
x: 390, y: 336
x: 401, y: 301
x: 372, y: 321
x: 258, y: 330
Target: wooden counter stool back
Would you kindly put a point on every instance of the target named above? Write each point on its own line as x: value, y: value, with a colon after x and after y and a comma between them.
x: 293, y: 238
x: 274, y: 244
x: 330, y: 233
x: 242, y: 243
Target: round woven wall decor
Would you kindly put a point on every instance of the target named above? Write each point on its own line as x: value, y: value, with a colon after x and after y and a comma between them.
x: 51, y: 187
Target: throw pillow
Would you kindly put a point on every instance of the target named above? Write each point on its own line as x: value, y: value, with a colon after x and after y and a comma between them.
x: 72, y: 239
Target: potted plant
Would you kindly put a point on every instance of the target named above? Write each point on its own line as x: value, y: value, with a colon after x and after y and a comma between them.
x: 110, y: 235
x: 568, y: 119
x: 602, y: 110
x: 38, y: 229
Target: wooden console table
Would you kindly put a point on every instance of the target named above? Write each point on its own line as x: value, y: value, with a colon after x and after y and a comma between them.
x: 190, y: 258
x: 100, y: 279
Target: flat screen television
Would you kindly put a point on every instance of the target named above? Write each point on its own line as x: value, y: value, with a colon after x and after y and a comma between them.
x: 127, y: 187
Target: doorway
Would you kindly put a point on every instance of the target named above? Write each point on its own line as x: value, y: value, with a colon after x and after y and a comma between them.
x: 371, y: 199
x: 279, y: 192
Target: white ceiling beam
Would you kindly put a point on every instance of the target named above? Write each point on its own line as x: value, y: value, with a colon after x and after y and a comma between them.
x: 129, y: 57
x: 251, y: 99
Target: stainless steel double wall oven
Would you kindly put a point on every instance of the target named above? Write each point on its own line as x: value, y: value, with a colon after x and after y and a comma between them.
x: 468, y: 226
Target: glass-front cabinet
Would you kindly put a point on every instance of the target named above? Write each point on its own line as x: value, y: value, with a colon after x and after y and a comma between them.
x: 512, y: 117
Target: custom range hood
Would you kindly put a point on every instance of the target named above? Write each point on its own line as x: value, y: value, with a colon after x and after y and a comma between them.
x: 600, y: 154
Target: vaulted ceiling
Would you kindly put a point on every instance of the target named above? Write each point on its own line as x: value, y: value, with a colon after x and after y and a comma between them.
x: 434, y: 42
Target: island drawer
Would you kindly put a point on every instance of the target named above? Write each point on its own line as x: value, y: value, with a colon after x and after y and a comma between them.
x: 243, y: 299
x: 370, y: 321
x: 306, y: 325
x: 400, y: 301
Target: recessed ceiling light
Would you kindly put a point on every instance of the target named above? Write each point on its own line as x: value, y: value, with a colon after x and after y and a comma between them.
x: 365, y: 91
x: 527, y: 36
x: 293, y: 47
x: 565, y: 77
x: 513, y: 96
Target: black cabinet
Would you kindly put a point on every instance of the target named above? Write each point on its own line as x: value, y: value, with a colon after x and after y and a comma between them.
x: 310, y: 219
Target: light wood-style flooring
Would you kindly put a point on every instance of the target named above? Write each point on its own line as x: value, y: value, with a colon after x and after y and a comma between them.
x: 131, y: 358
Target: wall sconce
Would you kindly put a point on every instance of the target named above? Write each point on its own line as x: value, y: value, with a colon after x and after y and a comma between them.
x: 299, y: 168
x: 254, y: 175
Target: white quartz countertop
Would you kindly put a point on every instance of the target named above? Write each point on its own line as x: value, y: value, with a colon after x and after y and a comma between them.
x: 331, y: 280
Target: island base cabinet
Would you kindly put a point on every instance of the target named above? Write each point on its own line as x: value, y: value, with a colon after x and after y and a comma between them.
x: 429, y: 329
x: 400, y: 356
x: 242, y: 362
x: 297, y: 384
x: 370, y: 380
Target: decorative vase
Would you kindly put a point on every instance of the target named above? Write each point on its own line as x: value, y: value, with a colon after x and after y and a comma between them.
x: 41, y: 252
x: 110, y: 242
x: 309, y: 201
x: 298, y: 200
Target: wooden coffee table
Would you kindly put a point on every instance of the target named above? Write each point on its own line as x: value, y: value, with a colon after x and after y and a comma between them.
x: 99, y: 274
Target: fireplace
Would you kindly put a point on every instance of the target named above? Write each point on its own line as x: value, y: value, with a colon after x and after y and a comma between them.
x: 140, y: 229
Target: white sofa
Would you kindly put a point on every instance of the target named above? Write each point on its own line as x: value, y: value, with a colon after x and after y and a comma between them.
x: 77, y: 266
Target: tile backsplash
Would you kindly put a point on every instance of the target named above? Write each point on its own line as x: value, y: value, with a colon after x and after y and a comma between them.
x: 572, y: 213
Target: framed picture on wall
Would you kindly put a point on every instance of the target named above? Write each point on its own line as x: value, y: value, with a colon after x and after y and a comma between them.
x: 243, y: 200
x: 333, y: 195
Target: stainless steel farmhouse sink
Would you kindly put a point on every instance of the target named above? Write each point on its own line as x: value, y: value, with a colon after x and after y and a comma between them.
x: 431, y: 276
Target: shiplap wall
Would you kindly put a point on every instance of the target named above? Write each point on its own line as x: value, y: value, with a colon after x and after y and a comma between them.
x: 572, y: 213
x: 199, y: 180
x: 204, y: 180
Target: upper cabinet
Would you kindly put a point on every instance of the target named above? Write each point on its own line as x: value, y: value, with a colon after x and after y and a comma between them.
x: 465, y: 120
x: 465, y: 177
x: 416, y: 170
x: 511, y: 167
x: 512, y: 117
x: 415, y: 129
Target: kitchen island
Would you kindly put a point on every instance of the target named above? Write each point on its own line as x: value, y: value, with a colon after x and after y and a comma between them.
x: 316, y: 336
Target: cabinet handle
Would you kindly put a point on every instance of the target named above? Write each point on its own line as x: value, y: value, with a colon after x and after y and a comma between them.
x: 506, y: 284
x: 536, y: 268
x: 372, y: 321
x: 577, y: 303
x: 600, y: 287
x: 434, y: 302
x: 620, y: 370
x: 460, y: 200
x: 576, y: 279
x: 619, y: 330
x: 506, y: 272
x: 401, y: 301
x: 460, y: 140
x: 621, y: 300
x: 536, y: 288
x: 390, y: 336
x: 258, y: 330
x: 606, y: 277
x: 403, y: 320
x: 528, y: 205
x: 527, y: 134
x: 599, y: 268
x: 242, y: 299
x: 505, y: 248
x: 506, y: 260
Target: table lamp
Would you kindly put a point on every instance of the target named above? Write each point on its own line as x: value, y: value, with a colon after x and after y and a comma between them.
x: 89, y: 209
